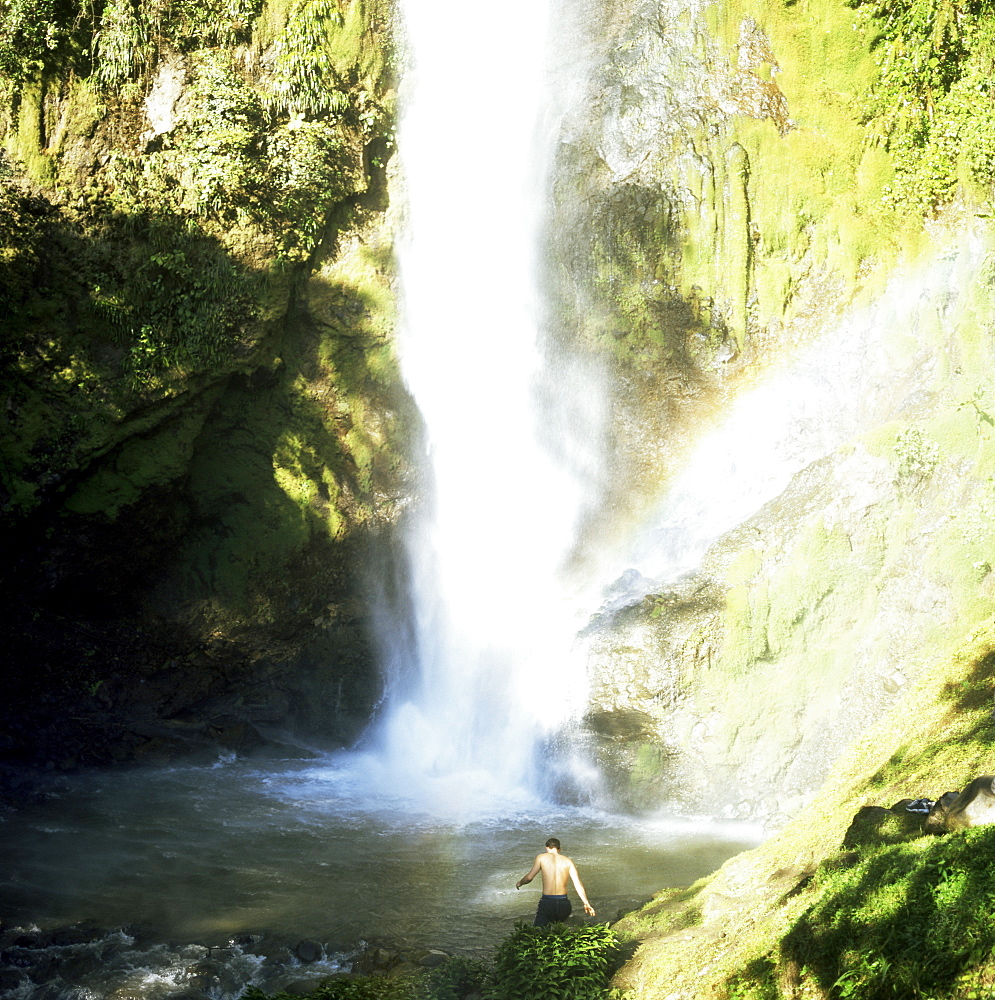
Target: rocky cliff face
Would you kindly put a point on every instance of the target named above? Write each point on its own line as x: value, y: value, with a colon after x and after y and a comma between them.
x: 762, y: 256
x: 202, y: 421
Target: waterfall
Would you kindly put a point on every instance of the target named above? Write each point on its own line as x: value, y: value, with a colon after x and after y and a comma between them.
x: 485, y: 668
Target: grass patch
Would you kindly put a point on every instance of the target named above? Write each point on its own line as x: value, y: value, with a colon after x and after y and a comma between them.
x: 909, y: 920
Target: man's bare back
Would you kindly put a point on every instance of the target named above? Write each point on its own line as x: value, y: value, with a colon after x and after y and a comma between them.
x: 557, y: 870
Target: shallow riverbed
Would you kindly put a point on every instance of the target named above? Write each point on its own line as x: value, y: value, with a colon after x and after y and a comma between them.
x: 170, y: 862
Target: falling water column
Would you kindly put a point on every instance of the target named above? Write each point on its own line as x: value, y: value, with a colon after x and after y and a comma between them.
x: 491, y: 659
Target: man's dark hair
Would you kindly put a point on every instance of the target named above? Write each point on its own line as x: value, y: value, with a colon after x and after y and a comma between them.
x: 553, y: 842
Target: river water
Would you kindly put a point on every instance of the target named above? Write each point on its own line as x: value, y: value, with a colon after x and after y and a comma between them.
x: 165, y: 864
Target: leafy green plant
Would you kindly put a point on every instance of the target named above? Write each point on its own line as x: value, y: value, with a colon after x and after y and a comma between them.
x: 191, y: 23
x: 305, y: 81
x: 174, y: 301
x: 932, y: 102
x: 36, y: 34
x: 226, y: 161
x: 558, y: 962
x: 123, y: 43
x: 454, y: 980
x: 23, y: 224
x: 310, y: 168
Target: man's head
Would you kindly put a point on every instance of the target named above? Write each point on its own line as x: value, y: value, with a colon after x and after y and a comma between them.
x: 554, y: 843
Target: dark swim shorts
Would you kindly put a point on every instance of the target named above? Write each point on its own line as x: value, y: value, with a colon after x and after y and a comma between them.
x: 552, y: 910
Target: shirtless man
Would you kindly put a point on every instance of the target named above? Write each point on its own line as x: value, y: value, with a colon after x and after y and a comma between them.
x: 556, y: 868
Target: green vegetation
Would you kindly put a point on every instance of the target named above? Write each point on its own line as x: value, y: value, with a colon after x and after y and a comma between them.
x: 831, y: 908
x: 931, y: 104
x: 201, y: 411
x: 38, y: 35
x: 914, y: 919
x: 305, y: 80
x: 366, y: 988
x: 558, y: 962
x: 906, y: 920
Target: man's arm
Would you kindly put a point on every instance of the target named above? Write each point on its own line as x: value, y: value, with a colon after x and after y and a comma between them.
x: 533, y: 871
x: 579, y: 886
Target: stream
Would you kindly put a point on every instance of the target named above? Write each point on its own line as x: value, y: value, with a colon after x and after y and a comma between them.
x: 208, y: 876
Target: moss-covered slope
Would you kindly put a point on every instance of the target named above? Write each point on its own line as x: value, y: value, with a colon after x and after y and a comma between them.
x: 891, y: 914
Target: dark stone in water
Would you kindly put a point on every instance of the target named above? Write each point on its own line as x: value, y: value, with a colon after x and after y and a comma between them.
x: 10, y: 979
x: 43, y: 970
x: 76, y: 968
x: 308, y: 951
x: 374, y: 960
x: 64, y: 936
x: 18, y: 957
x: 203, y: 975
x: 432, y: 959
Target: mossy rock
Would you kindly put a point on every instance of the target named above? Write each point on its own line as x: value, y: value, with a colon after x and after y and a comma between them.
x: 875, y: 825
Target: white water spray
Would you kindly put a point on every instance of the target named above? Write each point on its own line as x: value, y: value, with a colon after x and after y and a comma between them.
x: 490, y: 666
x: 873, y: 367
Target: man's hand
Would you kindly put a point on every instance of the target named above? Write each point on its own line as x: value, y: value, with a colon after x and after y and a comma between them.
x: 589, y: 910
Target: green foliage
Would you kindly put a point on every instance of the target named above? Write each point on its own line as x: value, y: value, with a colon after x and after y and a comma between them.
x: 305, y: 82
x: 226, y: 162
x: 122, y: 43
x: 558, y: 962
x: 121, y: 36
x: 23, y: 222
x: 213, y: 152
x: 932, y: 101
x: 907, y: 921
x: 361, y: 988
x: 192, y: 23
x: 454, y: 980
x: 36, y: 34
x: 309, y: 170
x: 174, y: 300
x: 129, y: 33
x: 921, y: 47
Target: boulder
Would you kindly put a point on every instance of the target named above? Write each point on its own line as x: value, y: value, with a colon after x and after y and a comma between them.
x: 203, y: 975
x: 308, y: 951
x: 403, y: 969
x: 301, y: 987
x: 374, y: 960
x: 234, y: 734
x: 876, y: 825
x: 432, y: 959
x: 974, y: 806
x: 936, y: 821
